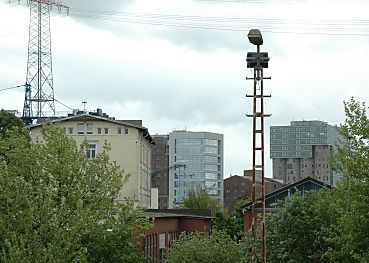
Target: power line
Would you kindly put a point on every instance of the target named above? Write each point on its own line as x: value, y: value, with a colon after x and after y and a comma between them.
x: 61, y: 103
x: 193, y: 18
x: 251, y: 1
x: 19, y: 86
x: 11, y: 88
x: 272, y: 25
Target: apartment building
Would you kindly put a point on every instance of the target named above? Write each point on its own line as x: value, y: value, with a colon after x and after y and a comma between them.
x: 130, y: 147
x: 303, y: 149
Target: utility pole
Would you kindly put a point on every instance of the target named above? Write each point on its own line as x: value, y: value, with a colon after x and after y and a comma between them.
x: 39, y: 99
x: 258, y: 61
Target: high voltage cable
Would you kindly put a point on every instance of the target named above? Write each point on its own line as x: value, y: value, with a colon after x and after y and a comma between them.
x: 251, y: 1
x: 216, y: 18
x: 272, y: 25
x: 12, y: 87
x: 19, y: 86
x: 63, y: 104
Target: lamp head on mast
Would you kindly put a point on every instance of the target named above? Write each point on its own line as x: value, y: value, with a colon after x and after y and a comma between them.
x: 255, y: 37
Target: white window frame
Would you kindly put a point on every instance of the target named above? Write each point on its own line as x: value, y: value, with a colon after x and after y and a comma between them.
x: 80, y: 129
x: 91, y: 150
x: 89, y: 128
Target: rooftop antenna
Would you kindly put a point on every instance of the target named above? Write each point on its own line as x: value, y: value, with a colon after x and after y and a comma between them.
x: 84, y: 102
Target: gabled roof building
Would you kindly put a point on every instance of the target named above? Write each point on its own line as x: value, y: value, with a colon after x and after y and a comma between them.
x: 238, y: 188
x: 130, y: 147
x: 272, y: 199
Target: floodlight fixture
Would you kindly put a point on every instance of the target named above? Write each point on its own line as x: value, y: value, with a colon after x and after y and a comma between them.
x: 252, y: 59
x: 255, y: 37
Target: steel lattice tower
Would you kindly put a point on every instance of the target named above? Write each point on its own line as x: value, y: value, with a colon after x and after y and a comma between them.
x: 39, y: 90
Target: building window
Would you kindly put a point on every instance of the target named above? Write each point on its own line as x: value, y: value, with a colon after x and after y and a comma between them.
x: 91, y: 151
x: 90, y: 128
x: 70, y: 130
x: 211, y: 176
x: 119, y: 130
x: 106, y: 130
x: 99, y: 130
x: 81, y: 128
x: 125, y: 130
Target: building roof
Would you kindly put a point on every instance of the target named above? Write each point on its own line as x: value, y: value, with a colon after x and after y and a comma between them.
x: 178, y: 213
x: 249, y: 178
x: 89, y: 116
x: 305, y: 184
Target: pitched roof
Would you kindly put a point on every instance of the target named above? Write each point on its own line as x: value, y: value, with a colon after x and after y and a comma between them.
x: 297, y: 185
x: 85, y: 116
x: 249, y: 178
x: 183, y: 212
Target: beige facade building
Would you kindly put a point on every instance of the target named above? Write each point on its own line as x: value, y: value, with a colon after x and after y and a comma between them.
x: 130, y: 148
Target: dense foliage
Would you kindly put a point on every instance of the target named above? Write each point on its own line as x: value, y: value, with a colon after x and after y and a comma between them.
x: 57, y: 206
x: 198, y: 198
x: 296, y: 233
x: 230, y: 221
x: 330, y: 226
x: 202, y: 247
x: 223, y: 220
x: 351, y: 240
x: 8, y: 121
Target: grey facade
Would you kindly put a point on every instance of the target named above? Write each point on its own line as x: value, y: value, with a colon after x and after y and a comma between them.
x: 302, y: 150
x: 197, y: 161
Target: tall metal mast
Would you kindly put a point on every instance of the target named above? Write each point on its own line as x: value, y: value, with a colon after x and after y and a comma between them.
x: 39, y: 90
x: 258, y: 61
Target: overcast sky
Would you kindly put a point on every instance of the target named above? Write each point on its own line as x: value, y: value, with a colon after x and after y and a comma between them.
x: 180, y: 64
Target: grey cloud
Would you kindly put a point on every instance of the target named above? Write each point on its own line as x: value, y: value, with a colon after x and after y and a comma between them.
x: 89, y: 12
x: 206, y: 40
x: 97, y: 4
x: 181, y: 31
x: 190, y: 96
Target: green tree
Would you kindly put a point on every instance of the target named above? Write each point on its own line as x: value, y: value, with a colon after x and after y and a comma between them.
x: 57, y: 206
x: 202, y: 247
x: 199, y: 198
x: 8, y: 121
x: 229, y: 222
x: 297, y: 232
x: 350, y: 242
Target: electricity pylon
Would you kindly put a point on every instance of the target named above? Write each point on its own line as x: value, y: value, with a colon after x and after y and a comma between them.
x: 39, y: 90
